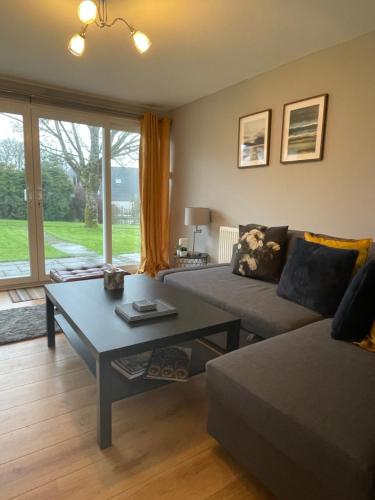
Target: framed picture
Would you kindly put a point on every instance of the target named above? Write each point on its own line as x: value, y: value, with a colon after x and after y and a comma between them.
x: 302, y: 137
x: 254, y: 139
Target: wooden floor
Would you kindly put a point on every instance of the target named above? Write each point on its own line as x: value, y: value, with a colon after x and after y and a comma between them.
x: 160, y: 446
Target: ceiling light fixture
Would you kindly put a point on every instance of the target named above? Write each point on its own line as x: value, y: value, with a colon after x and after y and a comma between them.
x: 89, y: 12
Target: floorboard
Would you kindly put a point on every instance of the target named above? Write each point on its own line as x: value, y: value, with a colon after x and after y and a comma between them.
x: 40, y: 373
x: 161, y: 449
x: 18, y: 396
x: 24, y: 348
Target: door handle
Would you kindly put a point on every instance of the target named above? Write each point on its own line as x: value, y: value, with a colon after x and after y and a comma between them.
x: 28, y: 195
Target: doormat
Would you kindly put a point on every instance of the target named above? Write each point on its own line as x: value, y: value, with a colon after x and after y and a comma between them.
x: 23, y: 323
x: 26, y: 294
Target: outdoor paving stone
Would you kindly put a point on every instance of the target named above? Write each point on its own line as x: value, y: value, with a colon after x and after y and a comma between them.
x: 11, y: 274
x: 22, y: 268
x: 9, y: 268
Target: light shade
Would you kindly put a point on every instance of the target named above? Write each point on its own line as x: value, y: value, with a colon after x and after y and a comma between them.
x: 87, y: 11
x: 197, y: 216
x: 77, y: 44
x: 141, y: 41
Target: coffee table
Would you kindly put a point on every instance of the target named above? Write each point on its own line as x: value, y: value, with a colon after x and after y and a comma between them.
x: 85, y: 312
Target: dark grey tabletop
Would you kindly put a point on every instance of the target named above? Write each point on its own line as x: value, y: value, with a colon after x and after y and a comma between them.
x: 90, y: 310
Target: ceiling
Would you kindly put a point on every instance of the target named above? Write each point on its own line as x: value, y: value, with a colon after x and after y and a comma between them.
x: 199, y: 46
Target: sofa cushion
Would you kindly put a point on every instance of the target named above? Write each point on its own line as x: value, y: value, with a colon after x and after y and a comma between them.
x: 294, y: 234
x: 310, y: 397
x: 78, y: 273
x: 356, y: 313
x: 368, y: 342
x: 260, y: 252
x: 261, y: 310
x: 363, y: 246
x: 316, y: 276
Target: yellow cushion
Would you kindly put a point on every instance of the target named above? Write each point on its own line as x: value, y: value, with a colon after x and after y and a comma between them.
x: 363, y: 246
x: 368, y: 342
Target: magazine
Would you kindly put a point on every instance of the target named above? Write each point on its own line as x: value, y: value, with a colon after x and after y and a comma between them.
x: 170, y: 363
x: 132, y: 366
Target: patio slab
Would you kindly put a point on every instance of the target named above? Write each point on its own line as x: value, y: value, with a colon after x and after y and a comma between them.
x: 21, y: 268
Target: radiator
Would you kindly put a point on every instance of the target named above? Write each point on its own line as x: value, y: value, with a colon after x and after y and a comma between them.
x: 228, y: 236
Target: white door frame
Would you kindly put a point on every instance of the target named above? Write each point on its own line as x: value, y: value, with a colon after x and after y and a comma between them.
x: 23, y: 108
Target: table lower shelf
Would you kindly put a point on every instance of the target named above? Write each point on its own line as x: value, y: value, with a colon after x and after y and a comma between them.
x: 121, y: 386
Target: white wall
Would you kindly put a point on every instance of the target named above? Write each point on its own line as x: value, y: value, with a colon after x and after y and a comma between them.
x: 334, y: 196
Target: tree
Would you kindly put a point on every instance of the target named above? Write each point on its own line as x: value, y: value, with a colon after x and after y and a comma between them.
x: 12, y: 153
x: 12, y: 185
x: 12, y: 180
x: 78, y: 203
x: 57, y: 193
x: 80, y: 147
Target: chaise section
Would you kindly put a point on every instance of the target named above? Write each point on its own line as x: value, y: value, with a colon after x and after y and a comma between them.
x: 261, y: 310
x: 298, y: 411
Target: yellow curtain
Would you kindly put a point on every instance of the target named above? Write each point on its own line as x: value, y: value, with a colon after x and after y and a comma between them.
x: 154, y: 193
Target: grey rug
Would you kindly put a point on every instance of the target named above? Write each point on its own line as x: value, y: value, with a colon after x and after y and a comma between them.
x: 22, y: 324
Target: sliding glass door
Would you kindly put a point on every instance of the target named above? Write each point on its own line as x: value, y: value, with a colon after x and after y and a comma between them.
x: 17, y: 197
x: 88, y: 175
x: 71, y: 165
x: 69, y: 194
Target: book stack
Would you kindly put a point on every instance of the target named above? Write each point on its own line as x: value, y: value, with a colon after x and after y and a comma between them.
x: 132, y: 366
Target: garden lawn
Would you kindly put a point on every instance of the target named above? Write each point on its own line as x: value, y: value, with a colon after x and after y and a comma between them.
x: 14, y: 239
x: 14, y: 242
x: 125, y: 238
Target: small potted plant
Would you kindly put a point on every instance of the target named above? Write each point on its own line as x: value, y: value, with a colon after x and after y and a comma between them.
x: 183, y: 252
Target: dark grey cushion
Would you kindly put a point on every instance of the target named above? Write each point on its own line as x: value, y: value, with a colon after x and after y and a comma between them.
x: 316, y: 276
x: 309, y: 396
x: 356, y: 313
x: 261, y: 310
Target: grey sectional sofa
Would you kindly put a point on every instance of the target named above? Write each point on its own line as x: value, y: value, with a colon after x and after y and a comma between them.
x: 298, y: 409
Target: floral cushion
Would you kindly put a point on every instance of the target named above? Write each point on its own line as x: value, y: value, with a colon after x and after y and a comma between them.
x: 260, y: 252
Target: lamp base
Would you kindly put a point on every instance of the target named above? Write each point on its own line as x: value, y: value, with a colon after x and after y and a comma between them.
x: 196, y: 231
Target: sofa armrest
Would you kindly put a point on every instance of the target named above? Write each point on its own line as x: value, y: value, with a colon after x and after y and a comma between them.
x: 161, y: 274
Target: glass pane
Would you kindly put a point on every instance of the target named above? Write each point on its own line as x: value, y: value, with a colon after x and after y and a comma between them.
x: 125, y: 197
x: 14, y: 236
x: 71, y: 165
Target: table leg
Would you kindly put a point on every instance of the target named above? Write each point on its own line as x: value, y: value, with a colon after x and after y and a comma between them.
x: 233, y: 338
x: 50, y: 310
x: 104, y: 403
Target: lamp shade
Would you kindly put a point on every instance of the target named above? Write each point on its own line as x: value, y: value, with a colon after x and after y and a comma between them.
x: 141, y: 41
x: 87, y: 11
x: 197, y: 216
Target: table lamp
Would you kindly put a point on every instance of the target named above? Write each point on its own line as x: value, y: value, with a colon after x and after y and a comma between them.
x: 197, y: 216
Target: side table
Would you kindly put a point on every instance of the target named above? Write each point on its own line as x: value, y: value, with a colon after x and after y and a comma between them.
x: 191, y: 260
